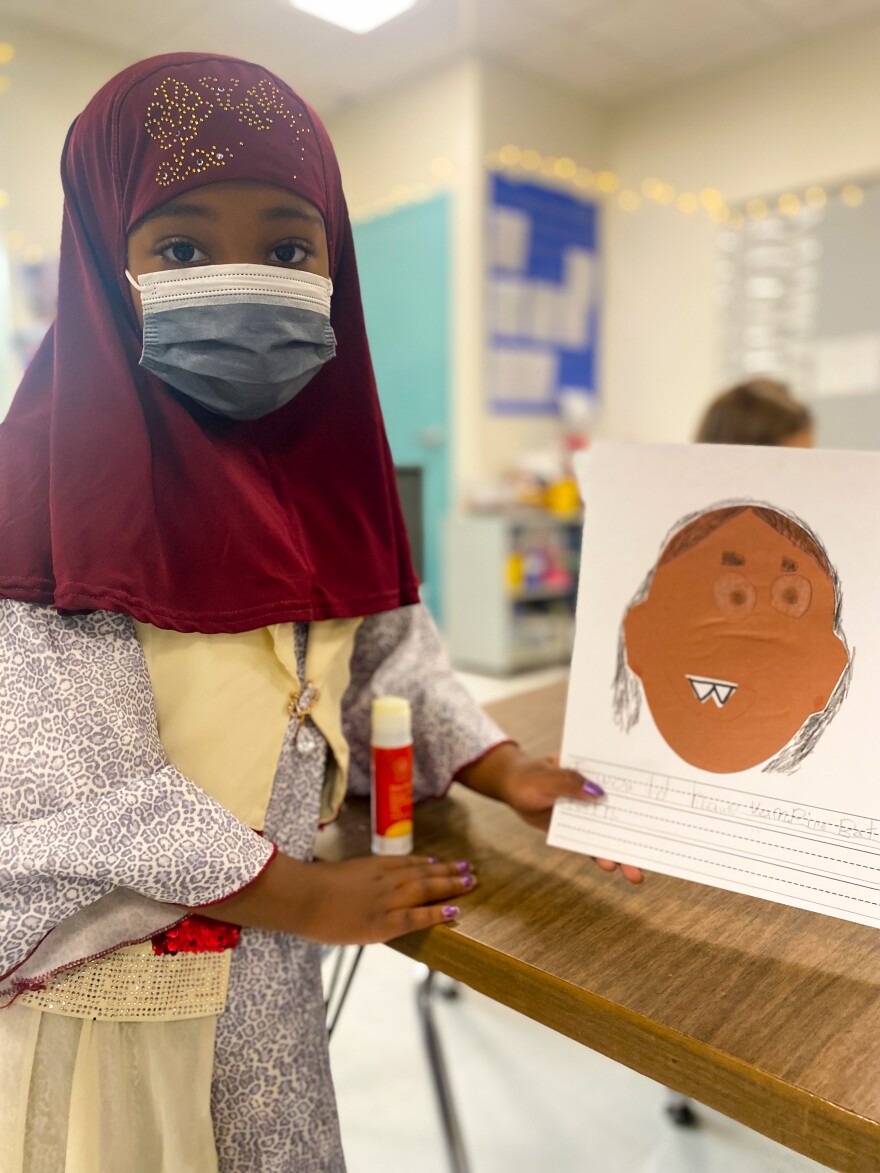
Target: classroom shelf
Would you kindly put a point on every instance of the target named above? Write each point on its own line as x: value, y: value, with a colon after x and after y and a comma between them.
x: 498, y: 622
x: 539, y: 595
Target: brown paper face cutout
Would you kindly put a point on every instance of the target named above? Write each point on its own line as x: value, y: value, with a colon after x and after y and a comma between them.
x: 737, y: 642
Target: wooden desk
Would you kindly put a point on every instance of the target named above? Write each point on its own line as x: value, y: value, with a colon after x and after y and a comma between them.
x: 769, y: 1014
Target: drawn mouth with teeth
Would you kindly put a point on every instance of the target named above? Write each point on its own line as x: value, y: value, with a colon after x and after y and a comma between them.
x: 705, y: 689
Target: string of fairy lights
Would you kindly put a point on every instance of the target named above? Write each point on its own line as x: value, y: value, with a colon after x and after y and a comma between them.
x: 708, y: 201
x: 607, y: 186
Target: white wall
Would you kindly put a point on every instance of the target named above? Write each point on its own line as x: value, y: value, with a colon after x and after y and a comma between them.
x: 52, y: 80
x: 520, y: 109
x: 810, y: 115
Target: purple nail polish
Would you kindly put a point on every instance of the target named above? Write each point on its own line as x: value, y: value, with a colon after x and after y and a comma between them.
x: 467, y: 881
x: 433, y: 859
x: 450, y: 911
x: 462, y: 867
x: 594, y: 789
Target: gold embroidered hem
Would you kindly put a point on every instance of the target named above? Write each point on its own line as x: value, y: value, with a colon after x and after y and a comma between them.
x: 134, y: 984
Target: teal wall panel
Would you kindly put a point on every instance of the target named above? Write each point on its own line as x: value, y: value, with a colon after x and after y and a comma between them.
x: 404, y: 262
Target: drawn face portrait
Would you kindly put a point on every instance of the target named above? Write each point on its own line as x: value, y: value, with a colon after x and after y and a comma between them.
x: 736, y: 642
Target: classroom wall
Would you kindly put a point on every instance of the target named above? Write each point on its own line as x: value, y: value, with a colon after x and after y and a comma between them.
x: 533, y: 115
x: 808, y: 115
x: 52, y: 80
x: 461, y: 114
x: 426, y: 135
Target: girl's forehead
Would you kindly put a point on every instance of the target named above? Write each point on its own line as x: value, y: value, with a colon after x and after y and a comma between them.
x: 197, y: 123
x: 264, y: 201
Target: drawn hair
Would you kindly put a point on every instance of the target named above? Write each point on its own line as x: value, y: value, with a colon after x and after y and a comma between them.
x: 627, y: 689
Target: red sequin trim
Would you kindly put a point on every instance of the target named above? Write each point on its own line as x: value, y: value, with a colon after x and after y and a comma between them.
x: 197, y: 934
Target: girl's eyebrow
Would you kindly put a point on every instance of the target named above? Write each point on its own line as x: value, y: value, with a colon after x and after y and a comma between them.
x: 291, y: 212
x: 169, y: 210
x: 200, y: 211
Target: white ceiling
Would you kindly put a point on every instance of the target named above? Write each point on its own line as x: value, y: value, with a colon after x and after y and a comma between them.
x: 609, y: 50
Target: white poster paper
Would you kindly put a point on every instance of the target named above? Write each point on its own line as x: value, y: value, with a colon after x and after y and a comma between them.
x: 522, y: 375
x: 546, y: 310
x: 509, y: 239
x: 506, y: 305
x: 725, y: 686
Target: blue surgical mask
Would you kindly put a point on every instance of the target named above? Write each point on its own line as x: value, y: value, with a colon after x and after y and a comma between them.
x: 241, y: 340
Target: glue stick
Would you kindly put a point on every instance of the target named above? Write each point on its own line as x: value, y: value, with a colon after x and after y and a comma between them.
x: 391, y: 791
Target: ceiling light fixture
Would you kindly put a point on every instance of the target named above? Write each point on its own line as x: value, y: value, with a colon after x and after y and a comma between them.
x: 358, y: 16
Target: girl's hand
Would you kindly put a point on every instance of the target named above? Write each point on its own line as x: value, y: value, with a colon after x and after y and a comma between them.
x: 531, y: 786
x: 377, y: 898
x: 357, y: 902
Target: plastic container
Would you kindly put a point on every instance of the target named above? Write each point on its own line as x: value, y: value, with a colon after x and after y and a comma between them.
x: 391, y: 797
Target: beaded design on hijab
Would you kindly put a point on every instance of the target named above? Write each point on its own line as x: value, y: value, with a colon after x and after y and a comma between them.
x: 177, y: 112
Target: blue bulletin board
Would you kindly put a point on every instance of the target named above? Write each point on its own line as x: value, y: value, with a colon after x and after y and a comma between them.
x: 543, y: 297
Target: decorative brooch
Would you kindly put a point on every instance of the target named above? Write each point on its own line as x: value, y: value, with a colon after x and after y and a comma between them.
x: 301, y: 705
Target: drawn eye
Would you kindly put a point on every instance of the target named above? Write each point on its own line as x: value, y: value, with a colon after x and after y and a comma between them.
x: 735, y: 596
x: 792, y: 594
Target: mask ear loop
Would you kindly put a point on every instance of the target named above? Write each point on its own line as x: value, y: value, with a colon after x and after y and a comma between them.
x: 133, y: 283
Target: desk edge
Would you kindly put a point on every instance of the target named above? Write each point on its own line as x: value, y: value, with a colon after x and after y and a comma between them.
x: 817, y: 1128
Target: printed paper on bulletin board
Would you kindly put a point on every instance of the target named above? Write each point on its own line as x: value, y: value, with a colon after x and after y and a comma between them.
x: 726, y: 671
x: 542, y: 297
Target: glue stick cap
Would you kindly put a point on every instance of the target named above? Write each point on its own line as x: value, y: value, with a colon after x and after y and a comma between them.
x: 392, y: 722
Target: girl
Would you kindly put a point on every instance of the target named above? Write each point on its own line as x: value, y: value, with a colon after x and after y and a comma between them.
x: 204, y: 580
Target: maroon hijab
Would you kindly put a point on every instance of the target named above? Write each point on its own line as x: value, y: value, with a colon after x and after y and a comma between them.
x: 117, y: 495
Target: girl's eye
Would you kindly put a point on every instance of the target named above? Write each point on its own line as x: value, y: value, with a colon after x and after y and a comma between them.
x: 735, y: 596
x: 288, y: 254
x: 792, y: 594
x: 183, y: 253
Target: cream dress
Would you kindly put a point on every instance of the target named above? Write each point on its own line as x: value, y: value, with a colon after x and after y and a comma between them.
x: 217, y: 1062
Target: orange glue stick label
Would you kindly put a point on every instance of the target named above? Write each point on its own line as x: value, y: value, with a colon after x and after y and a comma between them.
x: 392, y: 791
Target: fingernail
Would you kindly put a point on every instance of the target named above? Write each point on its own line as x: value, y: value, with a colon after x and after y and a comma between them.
x: 450, y: 911
x: 462, y: 867
x: 467, y: 882
x: 593, y: 788
x: 433, y: 859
